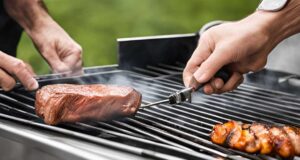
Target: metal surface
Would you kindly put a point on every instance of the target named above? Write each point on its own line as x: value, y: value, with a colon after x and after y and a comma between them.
x: 140, y: 52
x: 160, y: 132
x: 163, y: 131
x: 156, y: 103
x: 183, y: 95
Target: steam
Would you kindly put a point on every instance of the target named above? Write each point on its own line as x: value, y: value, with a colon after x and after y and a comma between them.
x: 123, y: 78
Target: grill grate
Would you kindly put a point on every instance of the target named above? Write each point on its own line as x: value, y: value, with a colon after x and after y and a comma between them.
x: 164, y: 131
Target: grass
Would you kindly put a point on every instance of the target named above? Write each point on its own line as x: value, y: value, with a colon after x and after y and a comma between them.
x: 95, y: 24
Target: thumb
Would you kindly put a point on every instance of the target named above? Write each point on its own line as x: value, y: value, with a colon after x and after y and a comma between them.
x: 211, y: 66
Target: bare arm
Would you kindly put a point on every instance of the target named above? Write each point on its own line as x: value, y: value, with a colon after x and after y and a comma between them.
x: 61, y: 52
x: 30, y: 14
x: 240, y: 46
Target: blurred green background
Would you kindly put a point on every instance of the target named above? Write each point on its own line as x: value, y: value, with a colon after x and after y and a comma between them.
x: 95, y: 24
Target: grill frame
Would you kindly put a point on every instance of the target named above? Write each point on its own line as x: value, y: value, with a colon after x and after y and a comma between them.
x: 160, y: 132
x: 192, y: 122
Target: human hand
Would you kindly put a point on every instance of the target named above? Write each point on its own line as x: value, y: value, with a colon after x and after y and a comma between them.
x: 61, y: 52
x: 240, y: 47
x: 12, y: 68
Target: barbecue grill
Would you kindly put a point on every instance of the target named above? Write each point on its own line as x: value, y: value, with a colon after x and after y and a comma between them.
x: 153, y: 66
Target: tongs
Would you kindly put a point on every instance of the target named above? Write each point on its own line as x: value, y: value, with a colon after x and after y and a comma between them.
x: 185, y: 95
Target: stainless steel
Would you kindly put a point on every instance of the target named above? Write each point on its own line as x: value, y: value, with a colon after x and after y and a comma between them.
x: 183, y: 95
x: 178, y: 131
x: 155, y: 103
x: 164, y: 132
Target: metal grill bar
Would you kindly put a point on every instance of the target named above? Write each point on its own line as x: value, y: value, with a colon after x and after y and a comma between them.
x: 152, y: 135
x: 90, y: 138
x: 207, y: 109
x: 182, y: 129
x: 186, y: 123
x: 113, y: 127
x: 176, y: 138
x: 254, y: 103
x: 147, y: 142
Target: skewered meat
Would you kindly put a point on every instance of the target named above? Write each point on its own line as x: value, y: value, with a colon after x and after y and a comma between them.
x: 258, y: 138
x: 71, y: 103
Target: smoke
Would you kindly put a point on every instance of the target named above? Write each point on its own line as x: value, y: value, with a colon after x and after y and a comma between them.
x: 124, y: 78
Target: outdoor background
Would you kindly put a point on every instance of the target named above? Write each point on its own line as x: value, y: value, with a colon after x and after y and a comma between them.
x: 95, y: 24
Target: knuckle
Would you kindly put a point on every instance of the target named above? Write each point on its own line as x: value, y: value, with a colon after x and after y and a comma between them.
x: 77, y: 50
x: 205, y: 36
x: 206, y: 40
x: 19, y: 66
x: 44, y: 49
x: 77, y: 53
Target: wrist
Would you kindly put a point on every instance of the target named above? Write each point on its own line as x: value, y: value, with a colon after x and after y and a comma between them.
x: 281, y: 24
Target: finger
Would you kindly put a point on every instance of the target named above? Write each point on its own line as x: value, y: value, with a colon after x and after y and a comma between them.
x: 78, y: 67
x: 217, y: 83
x: 211, y: 65
x: 54, y: 61
x: 232, y: 83
x: 208, y: 89
x: 19, y: 69
x: 201, y: 53
x: 26, y: 78
x: 6, y: 81
x: 214, y: 85
x: 239, y: 83
x: 74, y: 56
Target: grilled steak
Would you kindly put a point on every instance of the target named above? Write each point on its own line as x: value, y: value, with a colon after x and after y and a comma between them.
x: 258, y: 138
x: 71, y: 103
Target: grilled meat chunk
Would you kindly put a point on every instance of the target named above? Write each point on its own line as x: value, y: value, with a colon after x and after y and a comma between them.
x: 71, y: 103
x: 258, y: 138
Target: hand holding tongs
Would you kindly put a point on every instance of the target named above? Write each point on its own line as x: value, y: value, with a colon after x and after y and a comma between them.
x: 185, y: 95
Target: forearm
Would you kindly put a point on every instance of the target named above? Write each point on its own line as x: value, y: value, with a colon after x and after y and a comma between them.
x: 288, y: 21
x: 30, y: 14
x: 277, y: 25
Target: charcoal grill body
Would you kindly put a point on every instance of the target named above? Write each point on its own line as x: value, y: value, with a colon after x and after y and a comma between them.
x: 153, y: 66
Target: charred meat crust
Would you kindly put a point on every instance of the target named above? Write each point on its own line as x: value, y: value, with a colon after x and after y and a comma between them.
x: 258, y: 138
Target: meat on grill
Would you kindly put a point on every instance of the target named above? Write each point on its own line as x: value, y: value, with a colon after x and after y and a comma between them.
x: 71, y: 103
x: 258, y: 138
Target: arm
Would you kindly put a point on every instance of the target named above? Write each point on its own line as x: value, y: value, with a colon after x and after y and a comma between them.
x: 61, y: 52
x: 240, y: 46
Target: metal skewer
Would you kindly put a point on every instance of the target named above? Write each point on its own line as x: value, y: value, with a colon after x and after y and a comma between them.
x: 155, y: 103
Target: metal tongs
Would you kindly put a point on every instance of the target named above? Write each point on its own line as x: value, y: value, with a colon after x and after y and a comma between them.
x: 185, y: 95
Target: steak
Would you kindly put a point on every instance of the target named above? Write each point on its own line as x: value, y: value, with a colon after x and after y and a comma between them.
x: 72, y: 103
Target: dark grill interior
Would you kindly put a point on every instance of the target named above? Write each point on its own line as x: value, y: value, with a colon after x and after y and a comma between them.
x: 164, y: 131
